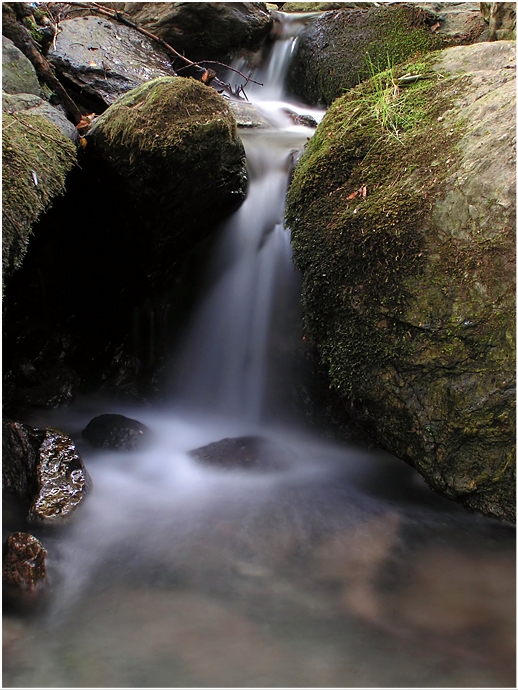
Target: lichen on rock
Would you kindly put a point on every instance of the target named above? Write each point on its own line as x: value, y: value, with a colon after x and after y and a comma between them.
x: 402, y: 219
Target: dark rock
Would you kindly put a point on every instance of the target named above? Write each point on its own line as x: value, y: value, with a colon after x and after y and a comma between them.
x: 204, y: 30
x: 51, y: 387
x: 409, y: 289
x: 24, y: 562
x: 244, y: 452
x: 103, y: 59
x: 305, y: 120
x: 62, y: 479
x: 20, y: 446
x: 116, y: 431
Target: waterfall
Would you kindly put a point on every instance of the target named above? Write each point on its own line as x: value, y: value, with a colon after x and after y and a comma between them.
x: 337, y: 569
x: 227, y: 359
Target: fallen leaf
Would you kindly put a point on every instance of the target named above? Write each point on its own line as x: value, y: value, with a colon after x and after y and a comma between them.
x: 435, y: 26
x: 353, y: 195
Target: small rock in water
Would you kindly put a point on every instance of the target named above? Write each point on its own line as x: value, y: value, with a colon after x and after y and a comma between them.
x: 24, y: 562
x: 116, y: 431
x: 305, y: 120
x: 62, y: 478
x: 244, y: 452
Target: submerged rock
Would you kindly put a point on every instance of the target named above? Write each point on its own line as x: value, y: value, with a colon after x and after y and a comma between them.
x: 62, y: 479
x: 116, y: 431
x: 403, y: 228
x: 24, y: 562
x: 244, y: 452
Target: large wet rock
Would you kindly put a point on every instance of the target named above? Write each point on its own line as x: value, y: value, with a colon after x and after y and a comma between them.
x: 403, y: 228
x: 24, y: 562
x: 18, y: 74
x: 20, y: 446
x: 173, y: 146
x: 116, y: 431
x: 102, y: 59
x: 203, y: 30
x: 62, y: 479
x: 36, y: 159
x: 341, y: 48
x: 244, y: 452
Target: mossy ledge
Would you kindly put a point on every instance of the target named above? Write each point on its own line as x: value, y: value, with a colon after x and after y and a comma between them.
x: 36, y: 158
x: 413, y: 319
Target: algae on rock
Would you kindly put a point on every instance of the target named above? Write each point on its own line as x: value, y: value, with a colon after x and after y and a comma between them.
x: 406, y: 245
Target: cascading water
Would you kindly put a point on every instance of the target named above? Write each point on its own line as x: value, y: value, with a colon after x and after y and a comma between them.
x: 340, y: 569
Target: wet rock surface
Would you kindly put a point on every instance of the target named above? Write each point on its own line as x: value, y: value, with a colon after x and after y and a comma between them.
x: 116, y: 431
x: 62, y: 479
x: 20, y: 445
x: 24, y: 562
x: 103, y: 59
x: 244, y: 452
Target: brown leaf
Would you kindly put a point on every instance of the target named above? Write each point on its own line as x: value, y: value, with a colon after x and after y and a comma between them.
x: 435, y: 26
x: 353, y: 195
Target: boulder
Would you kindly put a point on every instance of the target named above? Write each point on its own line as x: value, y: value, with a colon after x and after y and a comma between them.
x: 36, y: 159
x: 18, y: 74
x: 203, y: 30
x: 341, y: 48
x: 20, y: 446
x: 173, y: 147
x: 244, y: 452
x: 62, y: 479
x: 116, y: 431
x: 402, y: 213
x: 102, y: 59
x: 24, y: 562
x: 34, y: 105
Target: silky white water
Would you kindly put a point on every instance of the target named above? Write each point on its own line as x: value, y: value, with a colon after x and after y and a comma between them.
x: 341, y: 569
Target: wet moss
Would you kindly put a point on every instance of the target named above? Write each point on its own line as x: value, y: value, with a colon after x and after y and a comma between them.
x: 412, y: 324
x: 36, y: 158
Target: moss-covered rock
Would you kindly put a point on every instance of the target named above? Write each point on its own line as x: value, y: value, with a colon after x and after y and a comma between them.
x: 402, y: 212
x: 340, y: 49
x: 173, y: 145
x: 36, y: 158
x: 18, y: 74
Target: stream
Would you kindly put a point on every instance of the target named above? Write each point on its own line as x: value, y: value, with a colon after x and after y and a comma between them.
x: 339, y: 568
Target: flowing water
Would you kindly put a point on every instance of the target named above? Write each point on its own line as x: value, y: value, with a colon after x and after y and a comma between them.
x: 340, y: 569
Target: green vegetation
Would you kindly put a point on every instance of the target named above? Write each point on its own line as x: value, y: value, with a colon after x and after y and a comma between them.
x: 36, y: 158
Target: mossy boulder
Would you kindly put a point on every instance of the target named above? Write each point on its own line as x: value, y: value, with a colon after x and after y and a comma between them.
x: 36, y: 159
x: 18, y: 74
x: 173, y: 145
x: 342, y: 48
x: 402, y: 213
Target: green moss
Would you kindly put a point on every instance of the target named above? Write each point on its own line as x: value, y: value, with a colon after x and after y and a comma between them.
x: 36, y: 158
